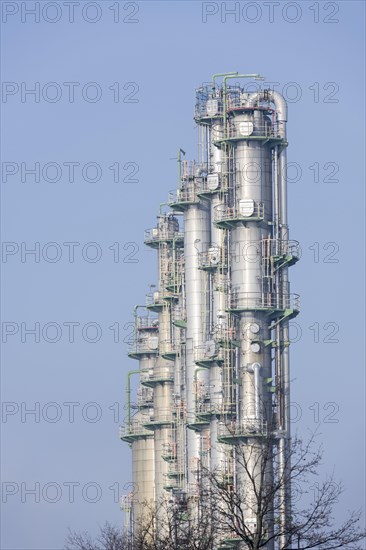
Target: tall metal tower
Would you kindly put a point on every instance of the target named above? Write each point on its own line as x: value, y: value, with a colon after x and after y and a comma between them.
x: 212, y: 341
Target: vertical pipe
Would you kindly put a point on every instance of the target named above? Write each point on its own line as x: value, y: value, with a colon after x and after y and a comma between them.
x: 277, y: 282
x: 196, y: 237
x: 205, y: 303
x: 284, y: 449
x: 285, y: 442
x: 255, y: 368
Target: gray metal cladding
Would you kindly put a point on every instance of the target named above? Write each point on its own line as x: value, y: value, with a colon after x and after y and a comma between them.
x: 214, y: 357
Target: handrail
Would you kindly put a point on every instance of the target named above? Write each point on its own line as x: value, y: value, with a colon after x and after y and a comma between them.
x: 141, y: 344
x: 254, y: 300
x: 245, y: 427
x: 238, y: 129
x: 136, y: 428
x: 159, y: 373
x: 215, y: 258
x: 166, y: 347
x: 162, y: 416
x: 156, y: 234
x: 224, y: 333
x: 147, y: 322
x: 223, y: 212
x: 279, y: 247
x: 185, y: 194
x: 128, y: 395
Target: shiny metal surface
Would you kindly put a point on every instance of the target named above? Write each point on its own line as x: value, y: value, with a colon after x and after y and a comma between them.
x: 216, y: 385
x: 196, y: 237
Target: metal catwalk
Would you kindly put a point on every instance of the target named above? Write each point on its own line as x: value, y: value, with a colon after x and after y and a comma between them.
x: 212, y: 341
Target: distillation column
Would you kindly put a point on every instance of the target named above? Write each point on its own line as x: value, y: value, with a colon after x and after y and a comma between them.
x: 141, y: 440
x: 252, y: 212
x: 218, y: 299
x: 288, y: 252
x: 196, y: 237
x: 221, y: 369
x: 214, y: 364
x: 161, y: 238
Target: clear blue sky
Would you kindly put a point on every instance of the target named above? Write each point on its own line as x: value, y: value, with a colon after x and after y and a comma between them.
x: 168, y: 52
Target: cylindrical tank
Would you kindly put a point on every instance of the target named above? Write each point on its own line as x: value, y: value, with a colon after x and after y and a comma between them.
x: 143, y: 463
x: 196, y: 237
x: 222, y: 366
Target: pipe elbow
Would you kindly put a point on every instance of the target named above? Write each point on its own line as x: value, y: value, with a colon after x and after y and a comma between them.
x: 254, y: 367
x: 280, y: 104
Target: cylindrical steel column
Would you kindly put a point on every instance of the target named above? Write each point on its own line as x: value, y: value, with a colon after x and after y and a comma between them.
x: 196, y: 237
x: 250, y: 298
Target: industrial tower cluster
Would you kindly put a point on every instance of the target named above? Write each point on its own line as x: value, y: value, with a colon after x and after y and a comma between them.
x: 212, y: 340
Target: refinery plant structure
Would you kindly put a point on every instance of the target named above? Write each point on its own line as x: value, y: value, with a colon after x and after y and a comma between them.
x: 211, y: 341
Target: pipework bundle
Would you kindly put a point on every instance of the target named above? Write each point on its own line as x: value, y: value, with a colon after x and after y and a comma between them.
x: 212, y: 342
